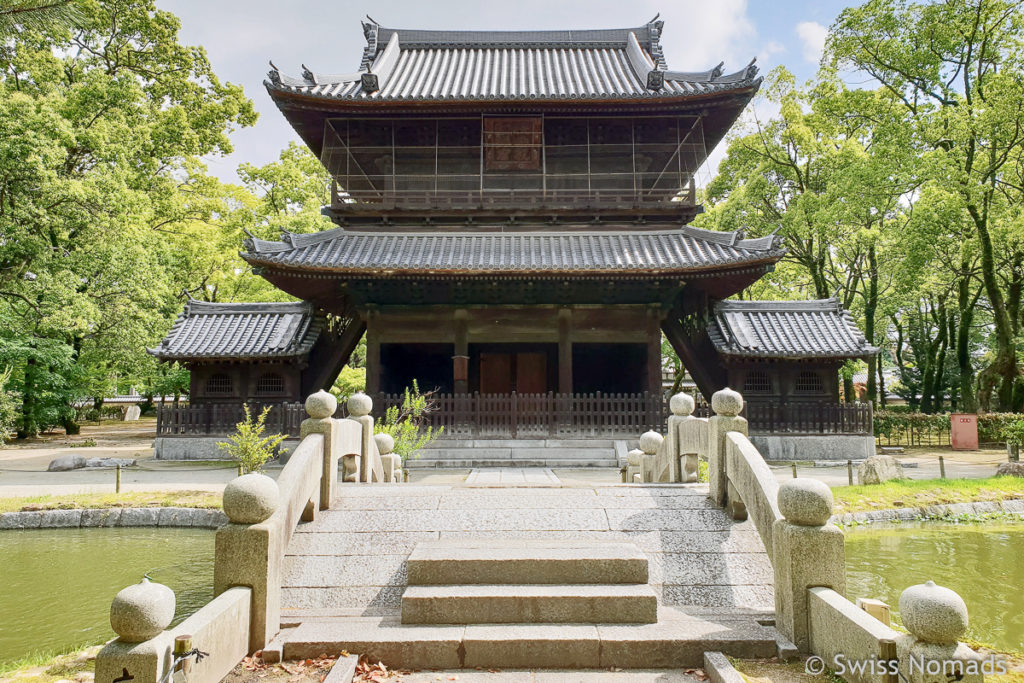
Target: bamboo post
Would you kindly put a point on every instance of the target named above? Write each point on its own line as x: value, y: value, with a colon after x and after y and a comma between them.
x: 849, y: 471
x: 942, y: 467
x: 117, y: 480
x: 794, y: 470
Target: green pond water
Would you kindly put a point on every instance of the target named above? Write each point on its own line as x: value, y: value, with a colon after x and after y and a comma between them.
x: 983, y: 563
x: 56, y: 585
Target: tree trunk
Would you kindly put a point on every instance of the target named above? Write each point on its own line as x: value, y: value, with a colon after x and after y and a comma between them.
x: 965, y: 308
x: 870, y: 306
x: 29, y: 427
x: 1001, y: 374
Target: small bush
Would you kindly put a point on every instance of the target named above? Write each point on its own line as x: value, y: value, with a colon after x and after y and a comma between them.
x: 87, y: 443
x: 248, y: 446
x: 407, y: 423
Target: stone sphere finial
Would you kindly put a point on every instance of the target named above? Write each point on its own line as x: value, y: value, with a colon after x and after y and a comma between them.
x: 142, y: 611
x: 805, y: 502
x: 727, y: 402
x: 251, y: 498
x: 385, y: 443
x: 321, y: 405
x: 359, y: 404
x: 681, y: 404
x: 933, y: 613
x: 650, y: 442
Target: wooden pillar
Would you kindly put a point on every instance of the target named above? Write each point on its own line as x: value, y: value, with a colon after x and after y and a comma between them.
x: 372, y: 354
x: 460, y: 361
x: 565, y: 351
x: 653, y: 350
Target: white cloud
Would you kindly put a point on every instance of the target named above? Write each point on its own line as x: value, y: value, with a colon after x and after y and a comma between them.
x: 812, y: 36
x: 768, y: 51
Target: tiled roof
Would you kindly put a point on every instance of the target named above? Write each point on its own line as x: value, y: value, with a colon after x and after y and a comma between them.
x: 678, y: 250
x: 244, y: 330
x: 787, y: 329
x: 401, y: 65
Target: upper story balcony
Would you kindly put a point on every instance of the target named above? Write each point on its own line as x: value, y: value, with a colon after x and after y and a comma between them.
x: 540, y: 166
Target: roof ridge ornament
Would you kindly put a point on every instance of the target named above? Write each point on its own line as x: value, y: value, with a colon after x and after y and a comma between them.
x: 646, y: 70
x: 274, y: 74
x: 378, y: 74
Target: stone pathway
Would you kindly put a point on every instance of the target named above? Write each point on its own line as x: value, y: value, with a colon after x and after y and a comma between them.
x: 512, y: 476
x: 352, y: 560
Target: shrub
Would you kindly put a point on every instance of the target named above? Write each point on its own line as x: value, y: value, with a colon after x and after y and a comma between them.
x: 891, y: 424
x: 407, y: 423
x: 248, y: 445
x: 8, y: 408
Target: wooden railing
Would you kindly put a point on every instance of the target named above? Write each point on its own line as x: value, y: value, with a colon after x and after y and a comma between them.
x: 217, y: 419
x: 547, y: 415
x: 540, y: 415
x: 808, y: 417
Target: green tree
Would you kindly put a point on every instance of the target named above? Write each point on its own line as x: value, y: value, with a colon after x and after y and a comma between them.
x: 37, y: 15
x: 101, y: 131
x: 957, y: 69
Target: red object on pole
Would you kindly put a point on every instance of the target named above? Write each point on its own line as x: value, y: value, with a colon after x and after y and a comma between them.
x: 963, y: 431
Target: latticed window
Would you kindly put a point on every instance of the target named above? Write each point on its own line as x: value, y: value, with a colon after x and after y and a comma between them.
x: 757, y: 382
x: 809, y: 382
x: 269, y: 384
x: 219, y: 383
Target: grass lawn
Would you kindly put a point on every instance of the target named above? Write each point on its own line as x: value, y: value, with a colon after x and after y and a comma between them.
x: 136, y: 499
x: 920, y: 492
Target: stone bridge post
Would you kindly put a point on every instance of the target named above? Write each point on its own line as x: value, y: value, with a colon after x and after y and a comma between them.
x: 727, y: 405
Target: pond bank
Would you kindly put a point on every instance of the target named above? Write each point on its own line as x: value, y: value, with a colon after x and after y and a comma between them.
x: 198, y: 518
x: 1013, y: 508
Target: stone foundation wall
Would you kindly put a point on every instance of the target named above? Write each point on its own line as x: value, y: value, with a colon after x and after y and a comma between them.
x: 840, y: 447
x: 199, y: 447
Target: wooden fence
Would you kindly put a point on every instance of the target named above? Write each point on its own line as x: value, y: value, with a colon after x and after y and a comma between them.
x: 218, y: 419
x: 515, y: 415
x: 540, y: 415
x: 809, y: 417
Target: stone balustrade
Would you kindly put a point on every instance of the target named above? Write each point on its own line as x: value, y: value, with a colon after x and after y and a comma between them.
x: 807, y: 554
x: 249, y: 551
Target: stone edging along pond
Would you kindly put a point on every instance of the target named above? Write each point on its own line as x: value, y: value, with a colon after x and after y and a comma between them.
x: 1013, y: 506
x: 198, y: 518
x: 203, y: 518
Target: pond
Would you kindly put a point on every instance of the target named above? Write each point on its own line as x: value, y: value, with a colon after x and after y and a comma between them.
x: 984, y: 563
x: 58, y: 583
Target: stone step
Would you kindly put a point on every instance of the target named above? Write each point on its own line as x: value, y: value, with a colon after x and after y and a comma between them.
x: 428, y: 463
x: 526, y: 562
x: 522, y: 604
x: 515, y: 453
x: 445, y: 443
x: 670, y: 643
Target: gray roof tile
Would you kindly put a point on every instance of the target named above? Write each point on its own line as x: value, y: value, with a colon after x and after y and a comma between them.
x: 679, y: 250
x: 240, y: 330
x: 787, y: 329
x: 511, y: 65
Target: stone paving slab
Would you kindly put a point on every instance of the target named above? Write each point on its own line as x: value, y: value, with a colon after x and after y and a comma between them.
x: 352, y: 570
x: 549, y: 676
x: 699, y: 558
x: 356, y: 543
x: 463, y: 520
x: 511, y: 476
x: 710, y: 569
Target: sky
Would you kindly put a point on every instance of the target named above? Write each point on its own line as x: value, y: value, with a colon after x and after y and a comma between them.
x: 241, y: 36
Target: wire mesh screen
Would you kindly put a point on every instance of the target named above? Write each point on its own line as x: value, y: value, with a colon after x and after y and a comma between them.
x: 575, y: 161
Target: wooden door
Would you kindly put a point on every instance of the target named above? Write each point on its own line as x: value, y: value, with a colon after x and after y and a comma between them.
x: 495, y: 373
x: 531, y: 373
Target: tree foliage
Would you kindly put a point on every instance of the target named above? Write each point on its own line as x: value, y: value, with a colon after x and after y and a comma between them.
x: 901, y: 196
